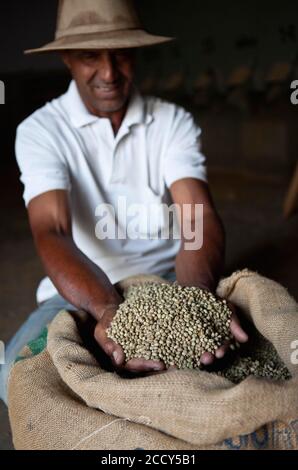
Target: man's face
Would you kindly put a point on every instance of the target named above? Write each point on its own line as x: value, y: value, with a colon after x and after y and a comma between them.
x: 104, y: 77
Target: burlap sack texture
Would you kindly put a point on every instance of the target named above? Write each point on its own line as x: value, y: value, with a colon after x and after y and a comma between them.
x: 62, y: 399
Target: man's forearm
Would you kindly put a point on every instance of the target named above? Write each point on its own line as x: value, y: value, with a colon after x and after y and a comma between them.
x: 203, y: 267
x: 76, y: 278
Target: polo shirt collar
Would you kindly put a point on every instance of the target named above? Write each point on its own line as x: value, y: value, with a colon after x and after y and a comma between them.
x: 80, y: 116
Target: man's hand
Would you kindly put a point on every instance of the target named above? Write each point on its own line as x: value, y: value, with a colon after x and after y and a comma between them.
x: 237, y: 332
x: 115, y: 351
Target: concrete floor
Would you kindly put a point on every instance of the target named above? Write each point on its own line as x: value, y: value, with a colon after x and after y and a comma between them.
x: 257, y: 238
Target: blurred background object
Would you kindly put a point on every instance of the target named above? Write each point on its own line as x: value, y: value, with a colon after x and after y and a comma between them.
x: 291, y: 201
x: 277, y: 79
x: 239, y: 84
x: 231, y: 66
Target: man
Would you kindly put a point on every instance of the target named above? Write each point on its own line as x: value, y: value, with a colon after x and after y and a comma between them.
x: 98, y: 142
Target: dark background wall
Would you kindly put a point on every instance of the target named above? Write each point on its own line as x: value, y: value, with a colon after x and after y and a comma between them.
x: 232, y: 66
x: 224, y: 33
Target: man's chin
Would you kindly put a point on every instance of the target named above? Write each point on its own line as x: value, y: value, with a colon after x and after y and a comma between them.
x: 110, y: 105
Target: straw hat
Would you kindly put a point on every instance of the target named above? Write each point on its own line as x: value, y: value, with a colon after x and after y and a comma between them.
x: 98, y: 24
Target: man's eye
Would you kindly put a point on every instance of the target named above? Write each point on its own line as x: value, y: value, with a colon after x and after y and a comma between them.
x: 89, y: 56
x: 121, y: 54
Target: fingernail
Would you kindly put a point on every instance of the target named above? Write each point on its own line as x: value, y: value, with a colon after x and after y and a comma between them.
x: 157, y: 368
x: 208, y: 361
x: 116, y: 357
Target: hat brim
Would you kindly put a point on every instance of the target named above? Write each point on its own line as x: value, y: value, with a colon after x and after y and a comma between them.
x: 112, y: 40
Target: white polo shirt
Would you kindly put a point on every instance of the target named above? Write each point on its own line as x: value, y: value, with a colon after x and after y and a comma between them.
x: 63, y: 146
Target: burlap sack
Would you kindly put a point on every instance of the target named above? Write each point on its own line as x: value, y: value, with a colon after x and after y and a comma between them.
x: 62, y: 398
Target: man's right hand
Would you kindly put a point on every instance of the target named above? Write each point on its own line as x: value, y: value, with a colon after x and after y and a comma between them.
x: 115, y: 351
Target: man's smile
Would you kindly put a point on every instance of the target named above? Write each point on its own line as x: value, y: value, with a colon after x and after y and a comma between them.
x: 106, y: 90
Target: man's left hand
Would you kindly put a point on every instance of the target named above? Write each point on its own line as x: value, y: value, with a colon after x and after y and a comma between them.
x: 237, y: 332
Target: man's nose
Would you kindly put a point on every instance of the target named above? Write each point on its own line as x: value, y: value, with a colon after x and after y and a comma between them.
x: 107, y: 68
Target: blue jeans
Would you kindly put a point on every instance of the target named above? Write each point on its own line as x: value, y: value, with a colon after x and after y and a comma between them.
x: 31, y: 329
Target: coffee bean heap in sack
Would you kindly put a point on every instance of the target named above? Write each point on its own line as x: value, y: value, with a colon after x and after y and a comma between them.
x: 258, y: 357
x: 177, y: 324
x: 170, y: 323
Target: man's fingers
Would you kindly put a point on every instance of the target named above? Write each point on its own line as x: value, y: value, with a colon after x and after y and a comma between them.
x: 109, y: 346
x: 236, y: 330
x: 142, y: 365
x: 118, y: 357
x: 221, y: 351
x: 207, y: 359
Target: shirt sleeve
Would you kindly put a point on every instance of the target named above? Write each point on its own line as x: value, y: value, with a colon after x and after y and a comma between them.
x: 183, y: 158
x: 40, y: 161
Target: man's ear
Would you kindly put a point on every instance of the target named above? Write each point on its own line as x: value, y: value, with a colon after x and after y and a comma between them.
x: 65, y: 58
